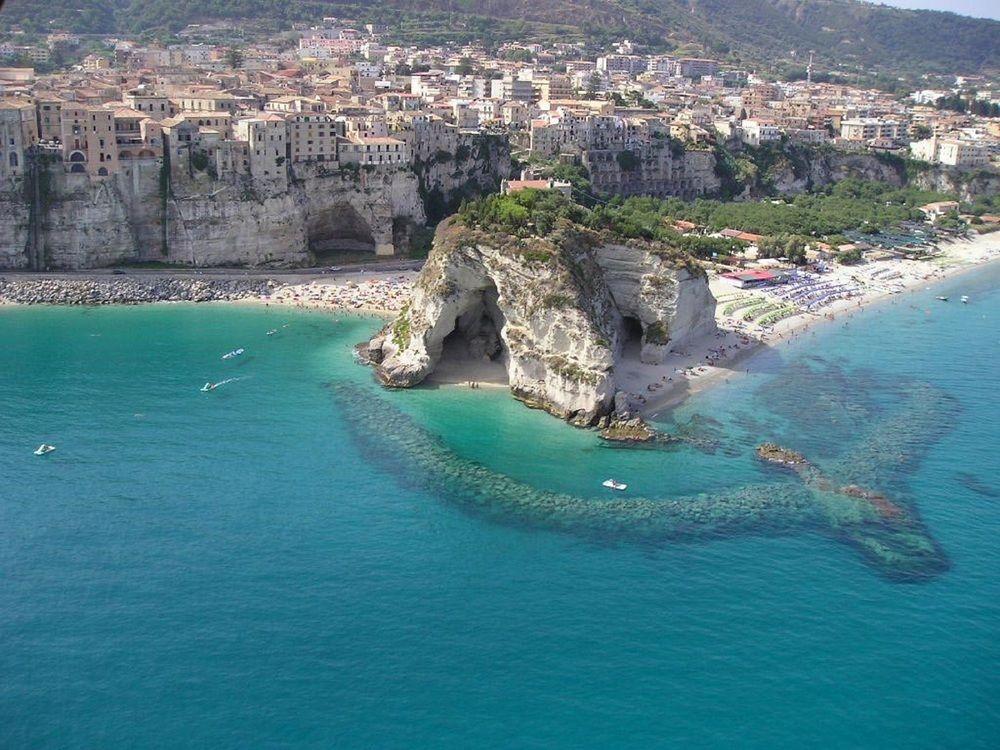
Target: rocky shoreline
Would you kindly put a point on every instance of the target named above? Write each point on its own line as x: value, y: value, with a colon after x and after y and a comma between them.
x: 128, y: 291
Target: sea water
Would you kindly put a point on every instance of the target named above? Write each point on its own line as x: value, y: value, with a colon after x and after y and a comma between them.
x: 298, y: 558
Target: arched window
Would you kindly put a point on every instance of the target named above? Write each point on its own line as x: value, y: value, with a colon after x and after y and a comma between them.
x: 77, y: 156
x: 77, y: 168
x: 102, y: 172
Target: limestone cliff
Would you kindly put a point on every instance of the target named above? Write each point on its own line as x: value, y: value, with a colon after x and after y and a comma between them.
x: 470, y: 165
x: 559, y: 312
x: 196, y: 220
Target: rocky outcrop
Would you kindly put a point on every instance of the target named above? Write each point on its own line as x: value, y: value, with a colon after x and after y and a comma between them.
x: 798, y: 172
x: 967, y: 186
x: 559, y: 312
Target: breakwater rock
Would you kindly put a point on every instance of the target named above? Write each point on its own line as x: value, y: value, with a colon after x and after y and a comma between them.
x: 115, y: 290
x: 895, y: 542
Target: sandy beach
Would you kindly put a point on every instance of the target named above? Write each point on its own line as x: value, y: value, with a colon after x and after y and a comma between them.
x: 696, y: 365
x: 379, y: 293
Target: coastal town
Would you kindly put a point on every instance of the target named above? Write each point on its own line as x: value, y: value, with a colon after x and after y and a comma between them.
x: 371, y: 143
x: 565, y: 374
x: 336, y: 96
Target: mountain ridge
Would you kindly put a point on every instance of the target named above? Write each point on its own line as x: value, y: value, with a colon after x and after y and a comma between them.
x: 845, y: 34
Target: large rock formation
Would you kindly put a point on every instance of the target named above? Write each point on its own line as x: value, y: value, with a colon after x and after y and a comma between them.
x: 559, y: 312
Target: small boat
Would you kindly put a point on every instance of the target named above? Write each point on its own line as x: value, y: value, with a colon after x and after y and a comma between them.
x: 44, y: 448
x: 272, y: 332
x: 233, y: 353
x: 943, y: 299
x: 965, y: 299
x: 208, y: 387
x: 611, y: 484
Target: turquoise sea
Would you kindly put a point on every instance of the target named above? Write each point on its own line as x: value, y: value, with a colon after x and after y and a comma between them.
x: 299, y: 559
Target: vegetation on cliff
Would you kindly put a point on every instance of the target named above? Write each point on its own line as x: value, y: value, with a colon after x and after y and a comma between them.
x: 787, y: 224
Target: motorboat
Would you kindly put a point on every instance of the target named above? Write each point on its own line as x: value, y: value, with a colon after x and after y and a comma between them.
x: 233, y: 353
x: 611, y: 484
x: 965, y: 299
x: 272, y: 332
x: 943, y: 299
x: 44, y: 448
x: 208, y: 387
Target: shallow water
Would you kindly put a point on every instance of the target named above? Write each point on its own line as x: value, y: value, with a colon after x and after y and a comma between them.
x: 284, y: 561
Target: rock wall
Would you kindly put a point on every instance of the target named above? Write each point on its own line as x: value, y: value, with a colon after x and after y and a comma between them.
x: 89, y: 223
x: 473, y: 166
x: 968, y: 187
x: 556, y: 311
x: 14, y: 221
x: 809, y: 170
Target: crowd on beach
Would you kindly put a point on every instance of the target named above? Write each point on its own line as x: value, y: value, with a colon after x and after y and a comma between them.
x: 379, y: 293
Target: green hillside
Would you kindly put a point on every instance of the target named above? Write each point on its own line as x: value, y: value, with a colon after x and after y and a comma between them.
x: 845, y: 34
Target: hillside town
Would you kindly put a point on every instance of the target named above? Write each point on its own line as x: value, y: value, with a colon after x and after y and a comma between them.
x: 340, y: 98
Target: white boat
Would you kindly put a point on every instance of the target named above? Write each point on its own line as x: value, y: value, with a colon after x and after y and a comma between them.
x: 611, y: 484
x: 208, y: 387
x: 272, y: 332
x: 44, y: 448
x: 943, y: 299
x: 233, y: 353
x: 965, y: 299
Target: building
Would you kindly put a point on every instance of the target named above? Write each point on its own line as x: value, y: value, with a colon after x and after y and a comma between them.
x: 18, y: 132
x: 953, y: 152
x: 88, y: 140
x: 514, y: 186
x: 373, y: 151
x: 694, y: 67
x: 153, y: 105
x: 864, y: 129
x: 509, y: 88
x: 266, y: 138
x: 756, y: 132
x: 313, y: 136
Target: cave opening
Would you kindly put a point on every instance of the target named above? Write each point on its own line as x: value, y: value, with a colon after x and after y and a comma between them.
x: 631, y: 337
x: 339, y: 233
x: 474, y: 350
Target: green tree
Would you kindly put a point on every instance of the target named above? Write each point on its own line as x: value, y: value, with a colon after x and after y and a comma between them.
x: 234, y: 57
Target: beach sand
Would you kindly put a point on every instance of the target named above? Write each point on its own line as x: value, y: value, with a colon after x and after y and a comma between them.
x: 376, y: 293
x: 717, y: 358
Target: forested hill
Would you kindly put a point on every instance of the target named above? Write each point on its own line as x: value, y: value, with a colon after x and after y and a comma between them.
x: 843, y: 33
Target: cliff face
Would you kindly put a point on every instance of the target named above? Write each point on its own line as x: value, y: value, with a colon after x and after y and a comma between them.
x: 559, y: 313
x: 85, y: 223
x: 967, y: 187
x: 792, y: 176
x: 469, y: 165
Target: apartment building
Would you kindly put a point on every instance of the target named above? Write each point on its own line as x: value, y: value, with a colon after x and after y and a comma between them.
x: 864, y: 129
x: 88, y: 140
x: 18, y: 132
x: 373, y: 151
x: 313, y: 136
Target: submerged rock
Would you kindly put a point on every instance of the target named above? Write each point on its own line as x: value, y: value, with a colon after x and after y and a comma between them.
x: 774, y: 453
x: 558, y: 311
